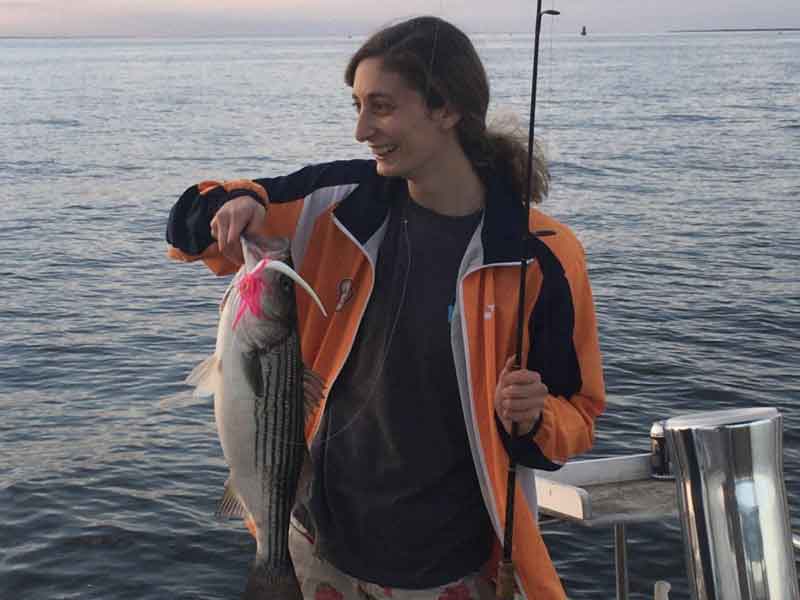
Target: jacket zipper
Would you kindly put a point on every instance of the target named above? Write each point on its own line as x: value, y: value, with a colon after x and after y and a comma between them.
x: 344, y: 230
x: 465, y: 343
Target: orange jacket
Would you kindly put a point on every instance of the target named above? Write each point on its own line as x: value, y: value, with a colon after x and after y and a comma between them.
x: 335, y: 215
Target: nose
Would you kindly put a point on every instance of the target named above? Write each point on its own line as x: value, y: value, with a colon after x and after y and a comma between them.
x: 364, y: 126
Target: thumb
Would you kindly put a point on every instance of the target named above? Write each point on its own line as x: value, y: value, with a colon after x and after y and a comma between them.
x: 510, y: 365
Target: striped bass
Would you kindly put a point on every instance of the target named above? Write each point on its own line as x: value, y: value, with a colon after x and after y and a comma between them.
x: 256, y: 376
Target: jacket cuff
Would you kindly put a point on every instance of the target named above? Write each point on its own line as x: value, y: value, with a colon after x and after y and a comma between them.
x: 245, y: 187
x: 523, y: 449
x: 236, y: 193
x: 188, y: 227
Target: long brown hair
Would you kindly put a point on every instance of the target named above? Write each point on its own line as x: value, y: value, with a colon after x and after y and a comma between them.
x: 439, y: 61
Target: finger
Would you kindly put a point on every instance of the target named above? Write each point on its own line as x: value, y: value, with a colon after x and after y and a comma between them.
x: 524, y: 425
x: 221, y: 225
x: 514, y: 391
x: 243, y: 213
x: 536, y: 398
x: 230, y: 242
x: 313, y: 385
x: 521, y: 390
x: 522, y: 417
x: 523, y: 377
x: 313, y: 376
x: 507, y: 368
x: 312, y: 393
x: 524, y: 390
x: 234, y: 230
x: 515, y: 412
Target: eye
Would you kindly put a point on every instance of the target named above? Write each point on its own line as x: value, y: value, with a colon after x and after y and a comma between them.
x: 357, y: 106
x: 382, y: 108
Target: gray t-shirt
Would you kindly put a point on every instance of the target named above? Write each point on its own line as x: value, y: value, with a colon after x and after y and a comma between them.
x: 395, y: 498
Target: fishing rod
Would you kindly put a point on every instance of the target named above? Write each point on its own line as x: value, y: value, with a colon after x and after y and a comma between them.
x: 505, y: 572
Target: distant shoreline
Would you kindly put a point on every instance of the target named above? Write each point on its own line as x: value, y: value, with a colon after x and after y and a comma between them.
x: 733, y: 29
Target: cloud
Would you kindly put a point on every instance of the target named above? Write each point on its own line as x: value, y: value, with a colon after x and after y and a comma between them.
x: 273, y: 17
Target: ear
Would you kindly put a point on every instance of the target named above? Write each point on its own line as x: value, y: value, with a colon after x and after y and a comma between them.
x: 447, y: 117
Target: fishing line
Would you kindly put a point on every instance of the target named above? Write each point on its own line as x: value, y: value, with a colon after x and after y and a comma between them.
x: 405, y: 237
x: 377, y: 377
x: 549, y: 76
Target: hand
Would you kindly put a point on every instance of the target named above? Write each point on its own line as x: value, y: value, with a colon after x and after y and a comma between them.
x: 313, y: 389
x: 519, y: 397
x: 240, y: 215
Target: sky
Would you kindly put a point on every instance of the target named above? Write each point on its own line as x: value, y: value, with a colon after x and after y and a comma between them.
x: 290, y: 17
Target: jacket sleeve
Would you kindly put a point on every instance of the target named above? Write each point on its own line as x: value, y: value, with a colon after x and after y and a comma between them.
x: 189, y: 224
x: 564, y: 350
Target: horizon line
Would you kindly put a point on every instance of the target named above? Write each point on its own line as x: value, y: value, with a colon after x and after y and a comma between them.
x: 68, y: 36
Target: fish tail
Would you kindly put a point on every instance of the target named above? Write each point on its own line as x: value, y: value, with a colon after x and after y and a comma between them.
x: 266, y: 583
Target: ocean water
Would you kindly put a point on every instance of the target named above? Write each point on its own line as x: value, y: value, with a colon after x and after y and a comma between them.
x: 675, y: 157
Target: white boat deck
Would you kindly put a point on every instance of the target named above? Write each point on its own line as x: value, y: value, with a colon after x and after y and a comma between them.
x: 606, y: 491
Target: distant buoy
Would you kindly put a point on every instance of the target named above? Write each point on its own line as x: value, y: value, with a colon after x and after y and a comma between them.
x: 583, y: 30
x: 662, y: 590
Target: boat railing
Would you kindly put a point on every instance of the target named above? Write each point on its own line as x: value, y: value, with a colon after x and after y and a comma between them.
x: 721, y: 474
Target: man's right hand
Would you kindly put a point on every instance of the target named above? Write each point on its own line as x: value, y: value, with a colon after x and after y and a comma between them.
x: 240, y: 215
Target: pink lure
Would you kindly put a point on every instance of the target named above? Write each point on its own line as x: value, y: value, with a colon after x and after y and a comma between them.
x: 251, y: 287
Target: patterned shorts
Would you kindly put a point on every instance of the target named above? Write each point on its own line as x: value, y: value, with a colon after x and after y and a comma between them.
x: 320, y: 580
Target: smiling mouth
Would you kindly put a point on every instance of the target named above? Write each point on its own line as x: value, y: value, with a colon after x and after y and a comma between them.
x: 382, y: 152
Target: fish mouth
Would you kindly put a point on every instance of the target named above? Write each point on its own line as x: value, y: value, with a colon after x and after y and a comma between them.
x: 273, y: 250
x: 282, y: 267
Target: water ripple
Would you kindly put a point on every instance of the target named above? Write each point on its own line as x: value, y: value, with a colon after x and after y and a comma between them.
x: 668, y: 174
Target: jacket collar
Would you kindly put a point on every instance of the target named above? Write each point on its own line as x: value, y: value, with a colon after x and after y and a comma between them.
x: 502, y: 224
x: 365, y: 209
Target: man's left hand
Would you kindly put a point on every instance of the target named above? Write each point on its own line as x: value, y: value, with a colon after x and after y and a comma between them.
x: 519, y: 397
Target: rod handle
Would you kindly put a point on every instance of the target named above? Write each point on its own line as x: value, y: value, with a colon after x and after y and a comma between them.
x: 505, y: 581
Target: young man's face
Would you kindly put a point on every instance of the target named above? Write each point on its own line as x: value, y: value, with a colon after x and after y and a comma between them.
x: 405, y: 137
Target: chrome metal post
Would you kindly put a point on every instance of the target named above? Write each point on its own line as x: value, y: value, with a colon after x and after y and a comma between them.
x: 621, y: 560
x: 732, y: 499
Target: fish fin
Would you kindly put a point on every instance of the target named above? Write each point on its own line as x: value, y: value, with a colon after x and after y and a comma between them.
x: 314, y: 390
x: 203, y: 375
x: 229, y: 505
x: 269, y: 582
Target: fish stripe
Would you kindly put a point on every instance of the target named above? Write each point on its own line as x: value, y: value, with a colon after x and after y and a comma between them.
x: 257, y: 407
x: 282, y: 443
x: 280, y: 490
x: 274, y: 403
